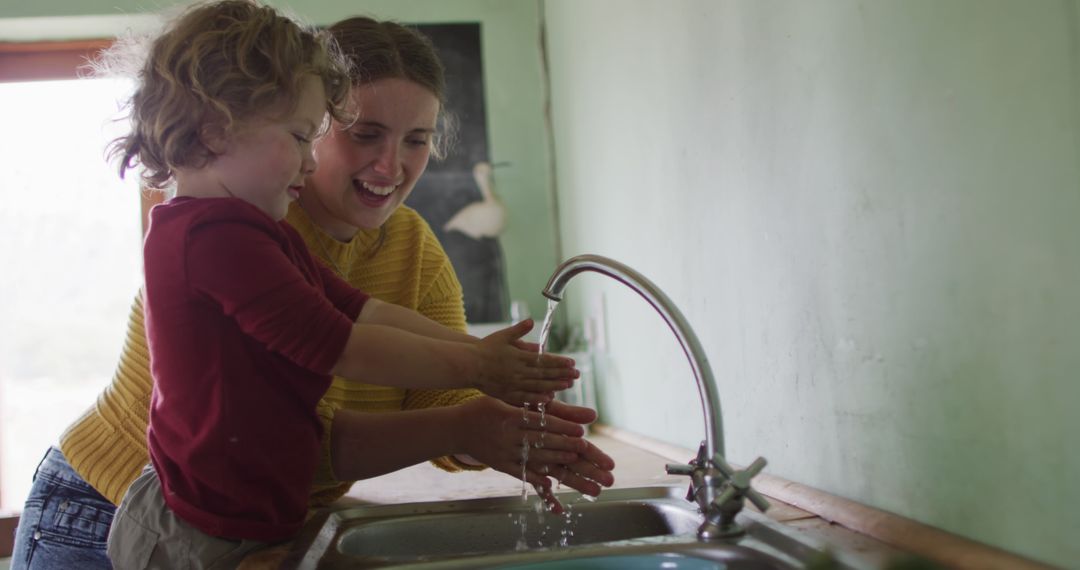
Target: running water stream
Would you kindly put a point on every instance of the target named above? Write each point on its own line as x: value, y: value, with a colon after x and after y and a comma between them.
x: 541, y: 504
x: 545, y: 330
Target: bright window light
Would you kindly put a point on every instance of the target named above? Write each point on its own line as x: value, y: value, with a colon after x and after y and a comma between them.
x: 70, y: 263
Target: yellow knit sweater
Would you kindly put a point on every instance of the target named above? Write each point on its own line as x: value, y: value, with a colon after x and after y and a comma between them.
x: 403, y: 264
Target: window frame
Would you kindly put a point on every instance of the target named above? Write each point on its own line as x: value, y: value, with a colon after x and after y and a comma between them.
x: 47, y: 60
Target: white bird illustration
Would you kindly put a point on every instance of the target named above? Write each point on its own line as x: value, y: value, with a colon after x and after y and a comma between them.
x: 485, y: 218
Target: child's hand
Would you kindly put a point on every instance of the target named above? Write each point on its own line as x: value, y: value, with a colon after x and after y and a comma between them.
x: 517, y: 376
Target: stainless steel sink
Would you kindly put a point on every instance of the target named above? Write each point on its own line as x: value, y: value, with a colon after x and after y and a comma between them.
x: 644, y: 523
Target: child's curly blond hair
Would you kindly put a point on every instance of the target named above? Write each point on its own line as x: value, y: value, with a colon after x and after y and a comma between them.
x: 216, y: 65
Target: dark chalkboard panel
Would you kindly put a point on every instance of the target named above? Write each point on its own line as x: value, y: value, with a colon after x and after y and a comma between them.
x: 448, y: 185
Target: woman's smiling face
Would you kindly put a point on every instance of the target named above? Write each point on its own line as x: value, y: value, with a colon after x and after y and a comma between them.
x: 367, y: 170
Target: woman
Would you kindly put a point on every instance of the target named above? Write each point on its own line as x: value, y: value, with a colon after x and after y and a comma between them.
x: 350, y: 213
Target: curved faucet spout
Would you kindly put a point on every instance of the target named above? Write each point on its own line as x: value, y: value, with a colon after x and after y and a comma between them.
x: 699, y: 363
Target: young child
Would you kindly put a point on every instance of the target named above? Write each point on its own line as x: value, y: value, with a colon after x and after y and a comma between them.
x: 245, y: 327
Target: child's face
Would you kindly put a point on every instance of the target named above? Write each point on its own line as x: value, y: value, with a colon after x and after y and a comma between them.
x: 368, y: 170
x: 266, y: 160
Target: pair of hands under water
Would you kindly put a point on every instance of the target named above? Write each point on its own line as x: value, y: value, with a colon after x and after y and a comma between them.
x: 546, y: 431
x: 498, y: 433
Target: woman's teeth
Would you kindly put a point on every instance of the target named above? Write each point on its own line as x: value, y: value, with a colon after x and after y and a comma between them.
x: 380, y: 190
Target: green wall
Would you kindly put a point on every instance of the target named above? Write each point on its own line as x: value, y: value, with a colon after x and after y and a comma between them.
x: 867, y: 209
x: 871, y: 213
x: 514, y: 96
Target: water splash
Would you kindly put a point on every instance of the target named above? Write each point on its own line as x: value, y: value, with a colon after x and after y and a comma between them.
x: 524, y: 461
x: 541, y: 506
x: 522, y: 543
x: 568, y: 527
x: 524, y: 453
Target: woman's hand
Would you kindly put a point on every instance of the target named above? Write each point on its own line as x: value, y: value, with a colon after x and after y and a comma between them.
x: 591, y: 472
x: 496, y: 434
x: 507, y: 371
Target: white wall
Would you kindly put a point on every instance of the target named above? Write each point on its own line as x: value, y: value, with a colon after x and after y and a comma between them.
x: 870, y: 210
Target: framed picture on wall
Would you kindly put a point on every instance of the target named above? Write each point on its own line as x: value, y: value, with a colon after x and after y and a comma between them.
x: 453, y: 196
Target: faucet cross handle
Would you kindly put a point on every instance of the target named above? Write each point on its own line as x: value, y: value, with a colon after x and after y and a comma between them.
x: 699, y: 462
x: 679, y: 468
x: 695, y: 469
x: 738, y: 482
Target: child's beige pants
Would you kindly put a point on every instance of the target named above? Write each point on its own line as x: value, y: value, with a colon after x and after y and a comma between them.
x: 146, y: 534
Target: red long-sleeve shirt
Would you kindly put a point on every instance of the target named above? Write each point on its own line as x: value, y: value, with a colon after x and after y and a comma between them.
x: 244, y: 327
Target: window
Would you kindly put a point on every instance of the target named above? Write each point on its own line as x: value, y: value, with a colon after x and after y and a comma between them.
x: 70, y: 260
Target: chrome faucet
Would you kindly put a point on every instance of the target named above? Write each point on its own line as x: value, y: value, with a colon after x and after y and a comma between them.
x: 715, y: 486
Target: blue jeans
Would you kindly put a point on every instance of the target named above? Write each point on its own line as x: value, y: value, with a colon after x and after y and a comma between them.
x: 65, y: 523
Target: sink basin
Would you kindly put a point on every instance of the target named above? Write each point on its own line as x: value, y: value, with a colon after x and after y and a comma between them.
x: 623, y: 562
x: 654, y: 526
x: 488, y: 527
